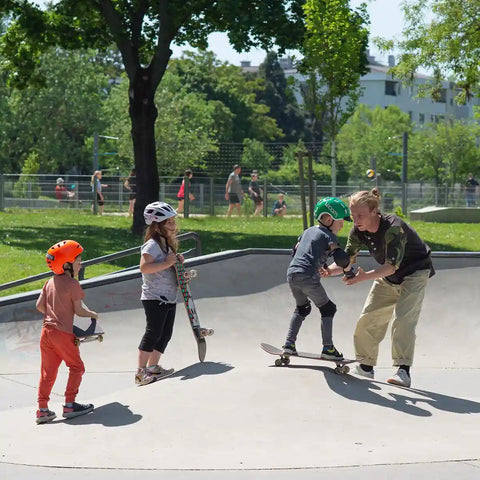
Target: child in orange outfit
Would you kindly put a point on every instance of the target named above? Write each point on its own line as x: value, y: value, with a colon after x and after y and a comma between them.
x: 60, y: 299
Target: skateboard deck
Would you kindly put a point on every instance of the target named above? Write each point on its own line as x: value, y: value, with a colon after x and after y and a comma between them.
x: 183, y: 277
x: 87, y: 330
x: 341, y: 365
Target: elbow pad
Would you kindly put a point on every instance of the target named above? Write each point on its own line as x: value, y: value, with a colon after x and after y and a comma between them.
x: 341, y: 258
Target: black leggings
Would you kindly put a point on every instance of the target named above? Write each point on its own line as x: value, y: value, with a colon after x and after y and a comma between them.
x: 159, y: 329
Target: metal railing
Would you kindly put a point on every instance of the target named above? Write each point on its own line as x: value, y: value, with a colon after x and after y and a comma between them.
x: 196, y: 251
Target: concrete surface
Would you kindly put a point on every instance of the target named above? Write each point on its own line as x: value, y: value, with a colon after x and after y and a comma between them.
x: 236, y: 415
x: 446, y: 214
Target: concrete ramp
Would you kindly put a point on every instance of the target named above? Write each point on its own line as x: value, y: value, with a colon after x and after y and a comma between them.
x: 237, y: 415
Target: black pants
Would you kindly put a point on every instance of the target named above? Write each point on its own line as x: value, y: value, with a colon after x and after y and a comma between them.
x: 159, y: 329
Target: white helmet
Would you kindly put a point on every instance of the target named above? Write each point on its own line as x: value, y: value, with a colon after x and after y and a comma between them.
x: 158, y: 212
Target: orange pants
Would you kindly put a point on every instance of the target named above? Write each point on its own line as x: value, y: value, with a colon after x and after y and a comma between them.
x: 57, y: 346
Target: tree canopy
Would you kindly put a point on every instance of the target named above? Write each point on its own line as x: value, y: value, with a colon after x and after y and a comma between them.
x: 447, y: 46
x: 143, y: 32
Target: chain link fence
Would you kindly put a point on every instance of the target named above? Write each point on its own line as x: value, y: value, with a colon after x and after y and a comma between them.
x: 38, y: 192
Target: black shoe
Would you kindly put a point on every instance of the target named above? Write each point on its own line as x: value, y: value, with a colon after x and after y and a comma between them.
x: 76, y: 410
x: 289, y: 349
x: 331, y: 354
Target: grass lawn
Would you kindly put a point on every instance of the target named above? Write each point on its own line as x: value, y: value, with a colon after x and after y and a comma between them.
x: 25, y: 236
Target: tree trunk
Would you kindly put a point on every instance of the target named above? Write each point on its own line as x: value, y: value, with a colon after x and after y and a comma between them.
x: 143, y: 114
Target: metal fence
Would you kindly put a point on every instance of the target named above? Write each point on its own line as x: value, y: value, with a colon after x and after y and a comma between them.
x: 38, y: 192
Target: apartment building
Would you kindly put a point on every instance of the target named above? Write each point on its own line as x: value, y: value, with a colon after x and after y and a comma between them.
x: 380, y: 88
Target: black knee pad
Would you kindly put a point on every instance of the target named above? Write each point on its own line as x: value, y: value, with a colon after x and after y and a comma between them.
x: 303, y: 310
x: 328, y: 310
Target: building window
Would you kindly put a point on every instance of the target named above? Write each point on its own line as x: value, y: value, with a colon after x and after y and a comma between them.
x: 390, y: 88
x: 421, y: 117
x: 441, y: 96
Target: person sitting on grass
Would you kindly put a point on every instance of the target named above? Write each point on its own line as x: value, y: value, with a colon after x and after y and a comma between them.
x: 279, y: 207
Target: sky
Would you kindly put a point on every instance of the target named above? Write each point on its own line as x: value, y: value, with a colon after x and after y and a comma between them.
x: 386, y: 20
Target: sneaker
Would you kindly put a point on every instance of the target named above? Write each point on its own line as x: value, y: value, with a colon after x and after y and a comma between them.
x: 160, y: 372
x: 364, y: 373
x: 44, y: 416
x: 331, y: 354
x: 76, y: 410
x: 144, y: 377
x: 289, y: 349
x: 401, y: 378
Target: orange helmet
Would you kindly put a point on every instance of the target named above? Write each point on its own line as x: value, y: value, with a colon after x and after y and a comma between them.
x: 61, y: 253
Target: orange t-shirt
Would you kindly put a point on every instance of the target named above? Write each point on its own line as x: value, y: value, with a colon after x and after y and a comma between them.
x: 58, y: 295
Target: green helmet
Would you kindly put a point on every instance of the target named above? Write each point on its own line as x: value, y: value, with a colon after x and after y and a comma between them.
x: 332, y: 206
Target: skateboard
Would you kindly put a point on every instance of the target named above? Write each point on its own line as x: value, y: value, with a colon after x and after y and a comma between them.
x: 341, y: 365
x: 183, y: 277
x: 87, y: 330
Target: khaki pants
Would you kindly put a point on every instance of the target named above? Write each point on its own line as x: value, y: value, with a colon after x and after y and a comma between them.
x: 385, y: 302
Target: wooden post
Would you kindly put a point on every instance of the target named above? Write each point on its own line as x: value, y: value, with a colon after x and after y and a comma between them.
x: 301, y: 176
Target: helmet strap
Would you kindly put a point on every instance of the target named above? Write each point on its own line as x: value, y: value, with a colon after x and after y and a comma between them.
x: 326, y: 226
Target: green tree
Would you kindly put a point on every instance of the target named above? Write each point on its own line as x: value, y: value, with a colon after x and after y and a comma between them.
x: 239, y: 115
x: 447, y: 46
x: 27, y: 185
x: 143, y: 32
x: 57, y: 119
x: 279, y: 97
x: 335, y: 58
x: 255, y: 157
x: 288, y: 173
x: 443, y: 153
x: 185, y: 128
x: 373, y: 134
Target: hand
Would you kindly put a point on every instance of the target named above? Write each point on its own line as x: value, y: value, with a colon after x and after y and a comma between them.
x: 359, y: 277
x: 180, y: 257
x: 226, y: 196
x: 171, y: 259
x: 324, y: 271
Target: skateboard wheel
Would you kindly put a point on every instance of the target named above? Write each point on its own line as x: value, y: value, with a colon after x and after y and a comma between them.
x: 345, y: 369
x: 77, y: 342
x: 286, y: 361
x: 192, y: 273
x: 338, y: 370
x: 278, y: 362
x: 100, y: 338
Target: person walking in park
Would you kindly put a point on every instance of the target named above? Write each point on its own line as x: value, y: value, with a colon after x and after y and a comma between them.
x: 471, y: 186
x: 159, y: 289
x: 233, y: 191
x: 399, y: 283
x: 131, y: 185
x: 97, y: 180
x: 61, y: 299
x: 181, y: 192
x: 256, y: 193
x: 314, y: 247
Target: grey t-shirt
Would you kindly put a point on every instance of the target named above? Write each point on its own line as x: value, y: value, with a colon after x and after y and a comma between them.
x: 161, y: 285
x: 235, y: 184
x: 312, y: 251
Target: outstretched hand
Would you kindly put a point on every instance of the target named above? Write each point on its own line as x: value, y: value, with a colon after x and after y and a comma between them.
x: 360, y: 276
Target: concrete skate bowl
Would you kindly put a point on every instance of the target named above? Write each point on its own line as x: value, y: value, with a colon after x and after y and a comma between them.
x: 236, y: 414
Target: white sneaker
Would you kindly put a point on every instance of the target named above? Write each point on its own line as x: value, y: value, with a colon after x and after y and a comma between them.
x: 363, y: 373
x: 401, y: 378
x: 159, y: 372
x: 144, y: 377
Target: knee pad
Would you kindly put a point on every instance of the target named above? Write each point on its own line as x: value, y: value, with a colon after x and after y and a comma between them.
x: 328, y: 310
x: 303, y: 310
